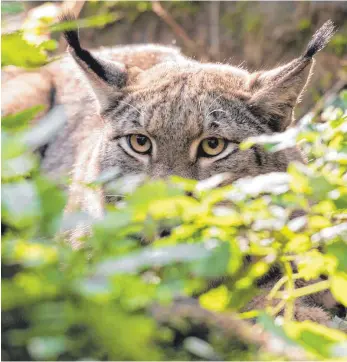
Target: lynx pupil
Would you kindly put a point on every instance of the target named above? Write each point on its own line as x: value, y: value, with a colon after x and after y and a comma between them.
x: 213, y: 143
x: 141, y: 140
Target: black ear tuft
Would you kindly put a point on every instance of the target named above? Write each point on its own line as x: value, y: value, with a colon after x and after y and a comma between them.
x: 320, y: 39
x: 71, y: 36
x: 73, y: 40
x: 84, y: 55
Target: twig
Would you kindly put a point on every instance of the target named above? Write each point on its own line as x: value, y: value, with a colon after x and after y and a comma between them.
x: 228, y: 323
x: 179, y: 31
x: 289, y: 310
x: 176, y: 28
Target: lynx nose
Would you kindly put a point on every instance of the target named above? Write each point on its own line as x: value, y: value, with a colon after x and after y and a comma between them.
x: 165, y: 171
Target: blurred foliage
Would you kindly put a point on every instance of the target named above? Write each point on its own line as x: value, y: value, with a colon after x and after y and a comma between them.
x: 339, y: 43
x: 94, y: 302
x: 24, y: 48
x: 98, y: 302
x: 241, y: 22
x: 15, y: 50
x: 11, y: 7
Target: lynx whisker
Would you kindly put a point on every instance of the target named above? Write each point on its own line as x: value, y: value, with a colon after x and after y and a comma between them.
x: 217, y: 110
x: 130, y: 105
x: 212, y: 103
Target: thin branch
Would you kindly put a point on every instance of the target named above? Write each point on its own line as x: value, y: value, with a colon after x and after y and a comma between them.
x: 176, y: 28
x: 230, y: 324
x: 180, y: 32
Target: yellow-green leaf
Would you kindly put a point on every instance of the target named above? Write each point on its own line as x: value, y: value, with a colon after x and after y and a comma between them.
x: 339, y: 287
x: 216, y: 299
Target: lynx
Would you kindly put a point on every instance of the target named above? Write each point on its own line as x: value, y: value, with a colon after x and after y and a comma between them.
x: 150, y: 110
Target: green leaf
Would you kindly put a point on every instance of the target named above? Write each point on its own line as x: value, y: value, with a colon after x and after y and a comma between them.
x: 277, y: 331
x: 315, y: 338
x: 47, y: 348
x: 339, y: 250
x: 13, y: 7
x: 339, y: 287
x: 216, y: 299
x: 118, y: 332
x: 15, y: 50
x: 18, y: 167
x: 153, y: 257
x: 52, y: 201
x: 20, y: 204
x: 97, y: 21
x: 216, y: 264
x: 19, y: 121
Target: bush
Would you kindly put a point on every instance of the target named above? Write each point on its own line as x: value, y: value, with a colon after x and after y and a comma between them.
x: 120, y: 295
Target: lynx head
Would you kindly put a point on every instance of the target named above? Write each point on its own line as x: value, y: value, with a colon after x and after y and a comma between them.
x: 187, y: 118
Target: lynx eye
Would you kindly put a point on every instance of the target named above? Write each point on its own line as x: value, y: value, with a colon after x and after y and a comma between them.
x: 211, y: 147
x: 139, y: 143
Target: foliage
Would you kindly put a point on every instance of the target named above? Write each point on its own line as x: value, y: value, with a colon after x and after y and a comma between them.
x: 118, y: 296
x: 17, y: 50
x: 101, y: 294
x: 11, y: 7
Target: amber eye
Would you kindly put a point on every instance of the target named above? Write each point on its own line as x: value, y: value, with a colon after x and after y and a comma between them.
x: 210, y: 147
x: 139, y: 143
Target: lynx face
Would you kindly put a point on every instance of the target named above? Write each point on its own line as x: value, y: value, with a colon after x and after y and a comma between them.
x: 186, y: 118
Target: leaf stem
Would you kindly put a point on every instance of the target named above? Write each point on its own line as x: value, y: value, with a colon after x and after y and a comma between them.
x: 289, y: 294
x: 310, y: 289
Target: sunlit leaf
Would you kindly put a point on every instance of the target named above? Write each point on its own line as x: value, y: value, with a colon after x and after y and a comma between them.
x: 339, y: 287
x: 216, y: 299
x: 316, y: 338
x: 17, y: 51
x: 19, y: 121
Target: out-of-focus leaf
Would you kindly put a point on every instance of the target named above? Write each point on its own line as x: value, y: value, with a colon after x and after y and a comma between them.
x: 118, y: 332
x: 46, y: 129
x: 11, y: 146
x: 19, y: 166
x: 273, y: 143
x: 312, y: 264
x: 19, y: 121
x: 17, y: 51
x: 316, y: 338
x: 47, y: 348
x: 91, y: 22
x: 20, y: 204
x: 154, y: 258
x: 339, y: 250
x: 275, y: 182
x: 32, y: 254
x: 217, y: 262
x: 331, y: 233
x: 216, y: 299
x: 52, y: 202
x: 277, y: 331
x: 200, y: 348
x: 12, y: 7
x: 339, y: 287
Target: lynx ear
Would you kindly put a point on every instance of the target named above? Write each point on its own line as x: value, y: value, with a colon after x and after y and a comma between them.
x: 106, y: 78
x: 276, y: 92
